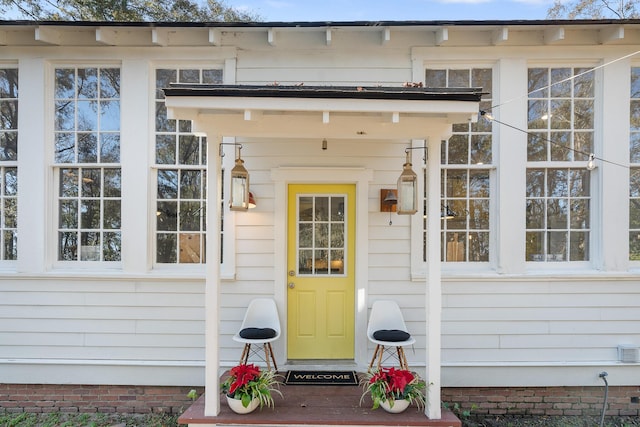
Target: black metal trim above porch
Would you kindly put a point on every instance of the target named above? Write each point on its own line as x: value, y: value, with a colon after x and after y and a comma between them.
x: 328, y: 92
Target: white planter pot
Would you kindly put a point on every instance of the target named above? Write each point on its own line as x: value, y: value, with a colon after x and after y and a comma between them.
x: 236, y: 405
x: 398, y: 406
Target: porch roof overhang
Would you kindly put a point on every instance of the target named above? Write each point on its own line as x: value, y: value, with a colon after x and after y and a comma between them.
x: 326, y: 111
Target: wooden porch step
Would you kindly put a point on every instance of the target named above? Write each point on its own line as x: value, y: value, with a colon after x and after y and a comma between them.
x: 316, y: 406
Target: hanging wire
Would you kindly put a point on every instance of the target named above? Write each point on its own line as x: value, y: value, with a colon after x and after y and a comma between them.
x: 597, y: 67
x: 591, y: 156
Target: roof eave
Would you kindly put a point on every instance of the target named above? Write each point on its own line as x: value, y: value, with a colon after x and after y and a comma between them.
x: 322, y: 24
x: 327, y: 92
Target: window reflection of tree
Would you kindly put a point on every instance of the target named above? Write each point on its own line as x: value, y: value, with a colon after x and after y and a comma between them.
x: 562, y: 205
x: 87, y: 126
x: 9, y: 154
x: 634, y: 172
x: 561, y: 114
x: 634, y: 214
x: 466, y: 191
x: 8, y: 114
x: 176, y: 145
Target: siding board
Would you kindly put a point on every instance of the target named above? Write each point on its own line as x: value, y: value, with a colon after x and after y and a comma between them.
x: 69, y: 325
x: 506, y: 314
x: 103, y: 313
x: 525, y: 355
x: 104, y: 353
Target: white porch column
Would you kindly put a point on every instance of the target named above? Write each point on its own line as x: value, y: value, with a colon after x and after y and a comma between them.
x: 212, y: 286
x: 433, y: 284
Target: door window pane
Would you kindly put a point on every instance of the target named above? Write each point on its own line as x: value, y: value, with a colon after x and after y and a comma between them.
x: 321, y: 242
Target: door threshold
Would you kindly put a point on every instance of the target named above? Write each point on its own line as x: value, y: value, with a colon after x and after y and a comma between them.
x: 321, y: 365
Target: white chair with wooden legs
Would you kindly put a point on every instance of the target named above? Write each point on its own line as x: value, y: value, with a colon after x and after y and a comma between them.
x: 261, y: 326
x: 389, y: 333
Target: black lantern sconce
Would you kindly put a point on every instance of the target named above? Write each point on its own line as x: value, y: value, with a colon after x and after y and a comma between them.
x: 240, y: 197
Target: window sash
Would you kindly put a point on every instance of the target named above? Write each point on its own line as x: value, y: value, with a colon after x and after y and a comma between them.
x: 634, y: 162
x: 560, y: 123
x: 466, y: 163
x: 89, y: 210
x: 9, y: 91
x: 86, y: 167
x: 180, y: 158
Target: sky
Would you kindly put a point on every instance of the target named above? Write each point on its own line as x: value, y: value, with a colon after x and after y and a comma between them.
x: 393, y: 10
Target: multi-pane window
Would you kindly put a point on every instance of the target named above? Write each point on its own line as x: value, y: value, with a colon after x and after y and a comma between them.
x: 8, y: 163
x: 634, y: 172
x: 466, y: 159
x: 321, y: 231
x: 87, y: 163
x: 180, y: 162
x: 560, y: 140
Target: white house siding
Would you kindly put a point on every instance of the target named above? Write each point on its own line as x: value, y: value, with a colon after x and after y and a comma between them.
x: 117, y: 330
x: 504, y: 324
x: 543, y: 331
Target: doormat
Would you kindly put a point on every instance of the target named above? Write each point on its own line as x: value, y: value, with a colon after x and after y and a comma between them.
x: 321, y: 378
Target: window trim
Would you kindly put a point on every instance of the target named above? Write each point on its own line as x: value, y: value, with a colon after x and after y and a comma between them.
x: 418, y: 264
x: 227, y: 267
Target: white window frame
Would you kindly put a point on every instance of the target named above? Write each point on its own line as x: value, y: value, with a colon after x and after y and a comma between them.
x: 227, y: 267
x: 594, y: 197
x: 54, y: 174
x: 418, y: 264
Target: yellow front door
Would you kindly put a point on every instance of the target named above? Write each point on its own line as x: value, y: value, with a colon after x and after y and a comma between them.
x: 321, y: 276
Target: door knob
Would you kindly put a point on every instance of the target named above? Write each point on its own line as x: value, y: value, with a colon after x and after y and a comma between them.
x: 292, y: 285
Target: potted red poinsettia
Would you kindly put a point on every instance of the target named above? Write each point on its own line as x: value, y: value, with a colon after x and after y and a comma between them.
x: 394, y: 389
x: 248, y: 387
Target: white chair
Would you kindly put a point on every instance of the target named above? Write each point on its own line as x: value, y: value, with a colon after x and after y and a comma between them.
x: 261, y: 325
x: 387, y: 329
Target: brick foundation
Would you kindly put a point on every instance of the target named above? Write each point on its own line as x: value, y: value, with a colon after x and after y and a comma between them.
x: 511, y: 401
x: 16, y: 398
x: 544, y: 401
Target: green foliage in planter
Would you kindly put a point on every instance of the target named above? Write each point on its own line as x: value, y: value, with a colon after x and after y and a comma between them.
x: 247, y: 382
x: 394, y: 384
